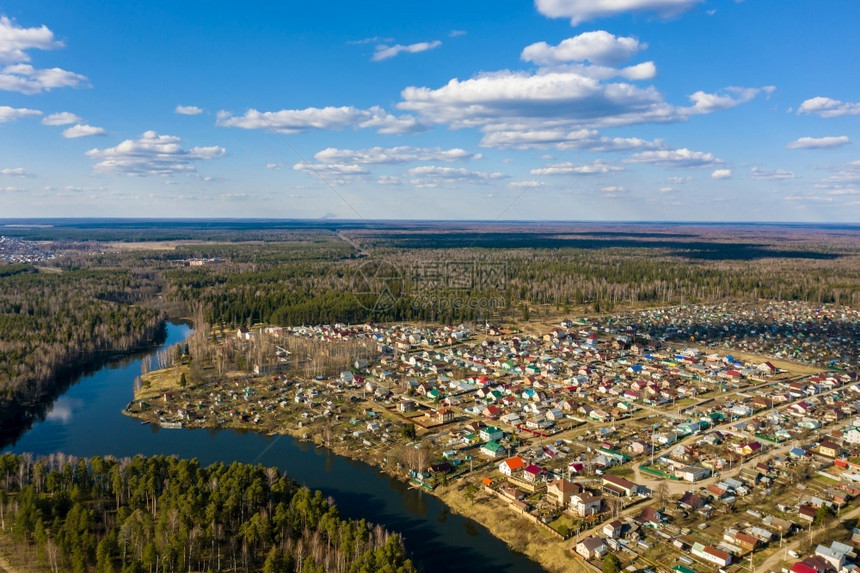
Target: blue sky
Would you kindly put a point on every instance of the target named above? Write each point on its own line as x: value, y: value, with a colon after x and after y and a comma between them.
x: 681, y: 110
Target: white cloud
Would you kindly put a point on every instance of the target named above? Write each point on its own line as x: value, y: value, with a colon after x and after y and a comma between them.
x: 771, y: 174
x: 557, y: 99
x: 62, y: 118
x: 676, y: 158
x: 519, y: 108
x: 525, y: 184
x: 12, y: 113
x: 152, y: 154
x: 26, y: 79
x: 708, y: 103
x: 586, y: 139
x: 15, y: 41
x: 274, y: 165
x: 82, y: 130
x: 20, y: 76
x: 330, y: 118
x: 680, y: 180
x: 597, y: 167
x: 581, y: 10
x: 613, y: 190
x: 392, y: 155
x: 432, y: 175
x: 828, y: 107
x: 15, y: 172
x: 455, y: 33
x: 819, y: 142
x: 721, y: 174
x: 598, y: 47
x: 666, y: 189
x: 188, y: 110
x: 384, y: 52
x: 843, y: 179
x: 329, y: 169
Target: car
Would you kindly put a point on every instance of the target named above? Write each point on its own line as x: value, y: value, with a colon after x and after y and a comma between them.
x: 794, y: 554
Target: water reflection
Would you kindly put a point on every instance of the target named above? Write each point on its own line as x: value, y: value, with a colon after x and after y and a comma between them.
x: 63, y: 410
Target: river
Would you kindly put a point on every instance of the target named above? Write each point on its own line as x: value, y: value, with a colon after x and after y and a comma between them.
x: 87, y: 421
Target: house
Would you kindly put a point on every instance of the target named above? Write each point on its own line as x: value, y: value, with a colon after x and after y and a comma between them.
x: 828, y: 448
x: 650, y: 517
x: 620, y: 486
x: 806, y: 512
x: 441, y: 416
x: 561, y: 490
x: 533, y: 473
x: 711, y: 554
x: 612, y: 530
x: 511, y: 465
x: 592, y: 548
x: 583, y: 504
x: 491, y: 433
x: 691, y: 501
x: 493, y: 450
x: 692, y: 473
x: 835, y: 554
x: 406, y: 406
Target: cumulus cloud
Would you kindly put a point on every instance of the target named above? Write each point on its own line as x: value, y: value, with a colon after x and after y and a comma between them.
x: 15, y: 41
x: 392, y: 155
x: 20, y: 76
x: 597, y: 167
x: 721, y: 174
x: 26, y: 79
x: 584, y: 139
x: 384, y: 52
x: 188, y: 110
x: 521, y: 108
x: 152, y: 154
x: 598, y: 47
x: 15, y: 172
x: 12, y: 113
x: 704, y: 102
x: 771, y: 174
x: 329, y: 169
x: 819, y: 142
x: 62, y: 118
x: 613, y: 190
x: 82, y: 130
x: 557, y: 98
x: 330, y: 118
x: 683, y: 157
x: 828, y: 107
x: 433, y: 175
x: 844, y: 179
x: 581, y: 10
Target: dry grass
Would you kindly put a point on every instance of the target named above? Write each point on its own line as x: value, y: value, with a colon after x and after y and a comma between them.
x: 520, y: 534
x: 158, y: 382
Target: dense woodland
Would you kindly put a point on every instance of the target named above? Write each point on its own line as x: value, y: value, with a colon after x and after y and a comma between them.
x: 165, y: 514
x: 317, y: 288
x: 53, y: 322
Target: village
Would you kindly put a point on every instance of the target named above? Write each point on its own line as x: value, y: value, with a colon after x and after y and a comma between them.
x: 689, y: 439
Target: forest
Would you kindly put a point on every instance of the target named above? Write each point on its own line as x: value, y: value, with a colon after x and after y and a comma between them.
x: 54, y: 322
x: 163, y: 514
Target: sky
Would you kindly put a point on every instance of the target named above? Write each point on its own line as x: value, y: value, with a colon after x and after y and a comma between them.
x: 641, y: 110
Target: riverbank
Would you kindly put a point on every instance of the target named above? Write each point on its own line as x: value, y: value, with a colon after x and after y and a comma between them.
x: 342, y: 431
